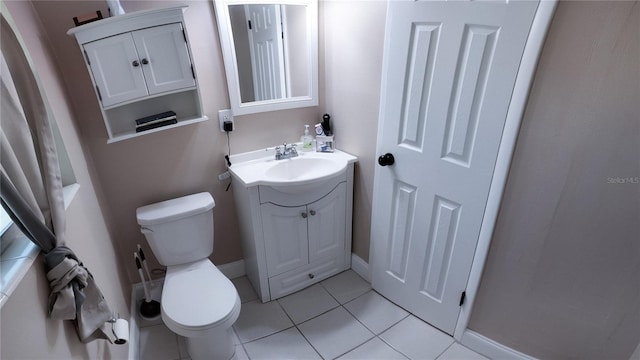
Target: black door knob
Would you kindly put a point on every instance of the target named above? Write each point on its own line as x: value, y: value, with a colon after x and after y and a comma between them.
x: 135, y: 63
x: 145, y: 61
x: 386, y: 159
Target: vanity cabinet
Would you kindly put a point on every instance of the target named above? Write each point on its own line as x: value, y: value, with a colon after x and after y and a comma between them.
x: 293, y: 239
x: 140, y: 64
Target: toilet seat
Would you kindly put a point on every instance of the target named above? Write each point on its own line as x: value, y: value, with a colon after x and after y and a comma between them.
x: 197, y: 297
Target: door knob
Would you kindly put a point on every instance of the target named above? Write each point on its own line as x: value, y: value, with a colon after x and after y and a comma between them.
x: 386, y: 159
x: 312, y: 212
x: 304, y: 215
x: 145, y: 61
x: 135, y: 63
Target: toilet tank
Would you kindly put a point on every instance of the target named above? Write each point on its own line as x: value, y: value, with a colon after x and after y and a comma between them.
x: 179, y: 230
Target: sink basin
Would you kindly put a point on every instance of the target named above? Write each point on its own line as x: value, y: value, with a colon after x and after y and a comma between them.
x: 261, y: 168
x: 301, y: 168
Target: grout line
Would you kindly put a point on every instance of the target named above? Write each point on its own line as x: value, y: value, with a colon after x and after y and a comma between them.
x: 445, y: 350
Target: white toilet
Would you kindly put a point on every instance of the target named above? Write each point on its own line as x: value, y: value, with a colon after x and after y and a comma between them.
x: 198, y: 301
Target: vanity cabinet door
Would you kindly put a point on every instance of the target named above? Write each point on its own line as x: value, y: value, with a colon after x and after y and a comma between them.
x: 285, y: 236
x: 327, y: 225
x: 164, y: 58
x: 116, y: 69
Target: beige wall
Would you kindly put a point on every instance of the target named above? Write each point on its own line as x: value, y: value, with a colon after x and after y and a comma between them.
x: 562, y: 280
x: 27, y: 333
x: 352, y: 34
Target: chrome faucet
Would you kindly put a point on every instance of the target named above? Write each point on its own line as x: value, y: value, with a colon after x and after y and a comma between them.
x: 286, y: 151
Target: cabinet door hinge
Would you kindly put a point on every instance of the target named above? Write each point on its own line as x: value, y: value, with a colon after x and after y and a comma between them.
x: 193, y: 72
x: 86, y: 57
x: 184, y: 34
x: 462, y: 297
x: 98, y: 91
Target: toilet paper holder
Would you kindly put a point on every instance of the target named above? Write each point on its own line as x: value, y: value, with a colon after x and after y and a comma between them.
x: 120, y: 329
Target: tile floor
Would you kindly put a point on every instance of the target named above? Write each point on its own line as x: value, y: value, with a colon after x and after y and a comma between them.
x: 338, y: 318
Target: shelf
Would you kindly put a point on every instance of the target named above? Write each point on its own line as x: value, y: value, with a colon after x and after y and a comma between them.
x: 133, y: 134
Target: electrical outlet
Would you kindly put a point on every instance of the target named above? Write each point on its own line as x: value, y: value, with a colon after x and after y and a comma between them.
x: 225, y: 116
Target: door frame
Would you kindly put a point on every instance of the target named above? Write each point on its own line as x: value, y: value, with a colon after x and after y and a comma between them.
x: 515, y: 112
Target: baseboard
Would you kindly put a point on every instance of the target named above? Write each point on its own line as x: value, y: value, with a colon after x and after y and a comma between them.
x: 360, y: 266
x: 489, y: 348
x: 233, y: 270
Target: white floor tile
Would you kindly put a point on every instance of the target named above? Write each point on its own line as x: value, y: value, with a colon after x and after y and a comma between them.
x: 182, y: 347
x: 375, y: 312
x: 417, y: 339
x: 257, y: 320
x: 240, y: 353
x: 234, y: 336
x: 244, y: 288
x: 374, y: 349
x: 287, y: 344
x: 308, y: 303
x: 335, y: 333
x: 158, y: 343
x: 346, y: 286
x: 459, y: 352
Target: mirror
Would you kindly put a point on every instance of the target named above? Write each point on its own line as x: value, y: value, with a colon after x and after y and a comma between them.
x: 270, y: 51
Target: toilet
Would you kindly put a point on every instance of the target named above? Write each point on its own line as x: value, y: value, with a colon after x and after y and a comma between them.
x: 198, y: 301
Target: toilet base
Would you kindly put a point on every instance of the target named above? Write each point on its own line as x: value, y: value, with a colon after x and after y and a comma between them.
x: 217, y: 345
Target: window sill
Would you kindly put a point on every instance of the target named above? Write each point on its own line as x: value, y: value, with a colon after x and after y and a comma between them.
x: 17, y: 258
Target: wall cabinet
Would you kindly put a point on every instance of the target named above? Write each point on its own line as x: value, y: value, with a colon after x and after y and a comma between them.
x: 291, y: 241
x: 140, y: 65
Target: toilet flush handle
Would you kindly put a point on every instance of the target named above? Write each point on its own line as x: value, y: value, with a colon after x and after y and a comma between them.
x: 145, y: 230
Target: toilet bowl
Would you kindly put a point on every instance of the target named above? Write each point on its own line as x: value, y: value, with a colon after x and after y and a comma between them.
x: 198, y: 301
x: 201, y: 304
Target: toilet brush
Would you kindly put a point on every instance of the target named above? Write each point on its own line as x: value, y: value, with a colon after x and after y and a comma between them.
x: 144, y: 264
x: 149, y: 308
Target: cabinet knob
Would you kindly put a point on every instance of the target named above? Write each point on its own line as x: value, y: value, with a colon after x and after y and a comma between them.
x: 145, y: 61
x: 311, y: 276
x: 312, y: 212
x: 304, y: 215
x: 135, y: 63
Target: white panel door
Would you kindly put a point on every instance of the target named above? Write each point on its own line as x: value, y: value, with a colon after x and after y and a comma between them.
x: 449, y: 72
x: 285, y: 236
x: 116, y: 69
x: 266, y: 49
x: 164, y: 58
x: 327, y: 225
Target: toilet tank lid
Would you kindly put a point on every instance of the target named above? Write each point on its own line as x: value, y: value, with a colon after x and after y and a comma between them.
x: 174, y: 209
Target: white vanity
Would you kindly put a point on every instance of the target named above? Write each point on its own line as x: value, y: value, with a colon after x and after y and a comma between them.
x: 295, y: 218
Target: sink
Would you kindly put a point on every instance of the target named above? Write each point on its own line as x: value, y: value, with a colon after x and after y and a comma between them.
x: 288, y: 175
x: 301, y: 168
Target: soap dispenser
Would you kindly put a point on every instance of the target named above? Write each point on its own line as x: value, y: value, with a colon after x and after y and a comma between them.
x: 306, y: 139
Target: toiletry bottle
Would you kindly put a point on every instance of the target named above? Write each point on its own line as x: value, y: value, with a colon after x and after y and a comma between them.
x: 306, y: 139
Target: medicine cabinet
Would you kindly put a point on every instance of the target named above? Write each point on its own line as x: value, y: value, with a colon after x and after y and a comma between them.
x: 270, y: 51
x: 140, y: 65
